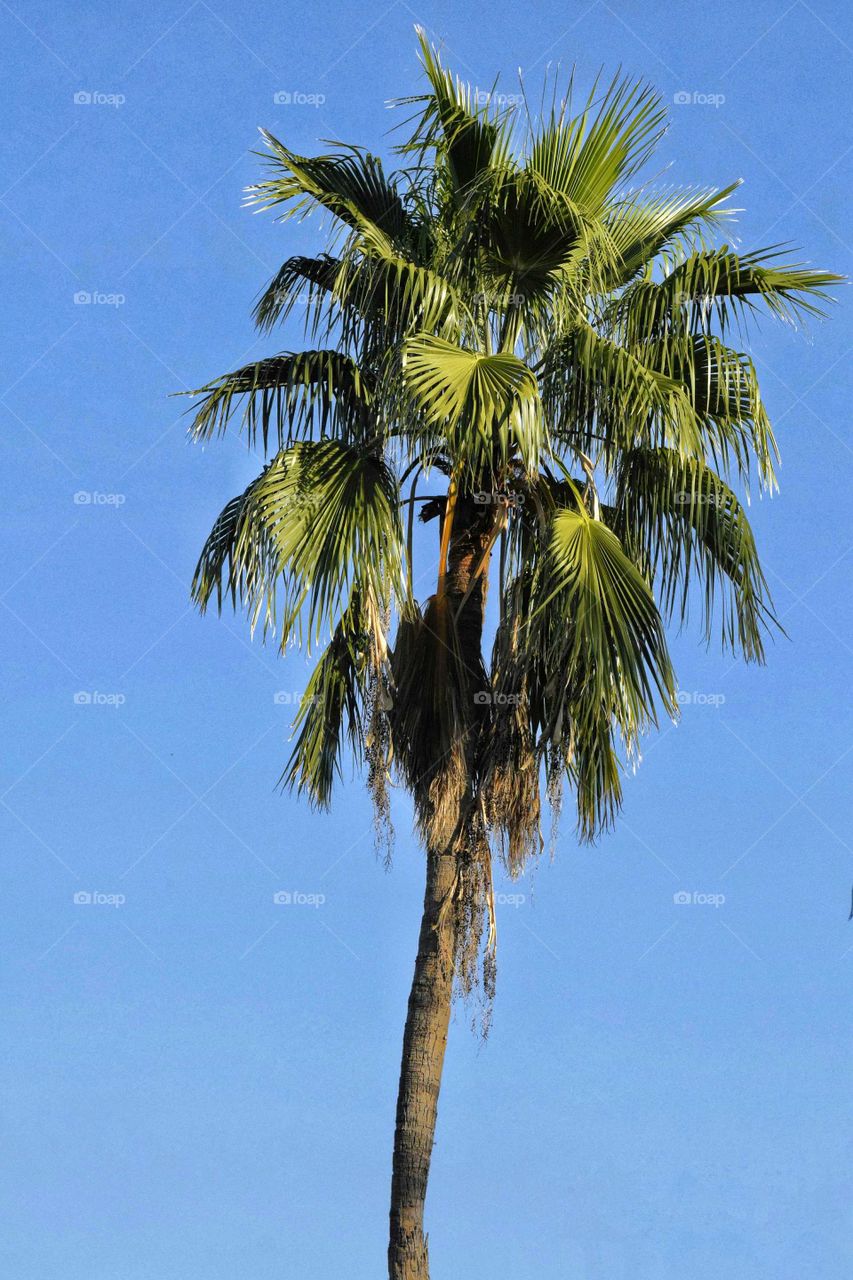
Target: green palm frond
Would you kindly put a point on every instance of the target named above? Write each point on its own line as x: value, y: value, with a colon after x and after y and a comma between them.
x: 595, y: 390
x: 594, y: 660
x: 398, y: 297
x: 722, y: 287
x: 287, y: 397
x: 351, y: 184
x: 331, y: 710
x: 536, y: 237
x: 455, y: 123
x: 299, y: 281
x: 723, y: 389
x: 586, y: 156
x: 611, y: 632
x: 593, y: 766
x: 643, y: 224
x: 485, y: 406
x: 686, y: 525
x: 223, y: 573
x: 724, y: 281
x: 320, y: 519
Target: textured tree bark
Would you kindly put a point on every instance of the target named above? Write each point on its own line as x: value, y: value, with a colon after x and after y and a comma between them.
x: 424, y: 1043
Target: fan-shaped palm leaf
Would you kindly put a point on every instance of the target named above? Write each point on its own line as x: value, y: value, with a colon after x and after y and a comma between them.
x: 485, y: 406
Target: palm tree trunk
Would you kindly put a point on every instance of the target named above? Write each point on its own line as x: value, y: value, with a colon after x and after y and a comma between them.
x: 424, y: 1043
x: 428, y: 1017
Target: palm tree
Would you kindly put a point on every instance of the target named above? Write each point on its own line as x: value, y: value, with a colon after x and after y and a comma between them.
x: 513, y: 314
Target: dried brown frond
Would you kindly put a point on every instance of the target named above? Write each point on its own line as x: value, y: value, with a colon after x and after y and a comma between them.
x: 511, y: 788
x: 438, y: 806
x: 434, y: 721
x: 378, y: 753
x: 556, y: 777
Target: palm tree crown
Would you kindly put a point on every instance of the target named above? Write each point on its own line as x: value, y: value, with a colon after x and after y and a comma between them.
x: 515, y: 314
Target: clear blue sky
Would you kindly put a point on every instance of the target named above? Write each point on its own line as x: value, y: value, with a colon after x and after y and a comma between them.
x: 199, y: 1083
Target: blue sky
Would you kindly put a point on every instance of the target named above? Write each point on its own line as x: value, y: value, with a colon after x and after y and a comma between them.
x: 199, y: 1082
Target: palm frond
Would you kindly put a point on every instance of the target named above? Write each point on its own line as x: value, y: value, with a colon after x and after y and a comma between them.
x: 536, y: 237
x: 685, y: 524
x: 288, y: 397
x: 612, y: 633
x: 595, y: 390
x: 586, y: 156
x: 398, y: 297
x: 331, y: 710
x: 594, y: 660
x: 321, y: 519
x: 486, y: 406
x: 719, y: 288
x: 723, y: 389
x: 723, y: 282
x: 299, y: 281
x: 457, y: 124
x: 351, y: 184
x: 645, y: 224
